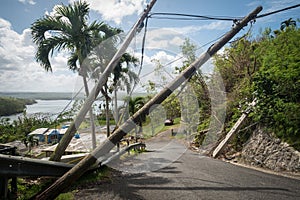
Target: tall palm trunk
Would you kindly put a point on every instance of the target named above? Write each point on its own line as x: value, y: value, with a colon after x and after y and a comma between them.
x: 116, y: 107
x: 107, y: 117
x: 107, y: 113
x: 92, y: 121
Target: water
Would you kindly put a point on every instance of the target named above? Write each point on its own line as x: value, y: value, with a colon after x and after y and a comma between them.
x: 49, y: 108
x: 52, y: 108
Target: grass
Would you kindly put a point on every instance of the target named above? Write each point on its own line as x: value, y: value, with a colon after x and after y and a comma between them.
x: 27, y: 188
x: 147, y: 129
x: 65, y: 196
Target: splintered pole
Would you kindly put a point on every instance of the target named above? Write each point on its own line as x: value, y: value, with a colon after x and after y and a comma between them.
x: 106, y: 146
x: 234, y: 130
x: 64, y: 142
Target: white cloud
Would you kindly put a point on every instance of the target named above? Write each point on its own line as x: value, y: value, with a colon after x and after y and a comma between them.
x: 272, y: 5
x: 31, y: 2
x: 168, y: 61
x: 218, y: 25
x: 20, y: 72
x: 116, y: 10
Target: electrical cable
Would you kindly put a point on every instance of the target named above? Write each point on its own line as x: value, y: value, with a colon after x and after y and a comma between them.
x: 277, y: 11
x: 181, y: 57
x: 183, y: 16
x: 192, y: 17
x: 202, y: 17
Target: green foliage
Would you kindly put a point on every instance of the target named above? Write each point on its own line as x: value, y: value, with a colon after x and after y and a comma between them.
x: 268, y: 69
x: 10, y: 105
x: 20, y: 128
x: 188, y: 50
x: 277, y: 85
x: 27, y: 188
x: 172, y: 106
x: 65, y: 196
x: 199, y: 107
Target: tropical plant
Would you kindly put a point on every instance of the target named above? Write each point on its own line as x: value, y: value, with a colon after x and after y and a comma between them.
x: 68, y: 29
x: 288, y: 23
x: 134, y: 104
x: 124, y: 78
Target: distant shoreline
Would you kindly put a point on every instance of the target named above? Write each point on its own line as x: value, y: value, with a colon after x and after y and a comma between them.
x: 12, y: 105
x: 41, y: 95
x: 54, y: 95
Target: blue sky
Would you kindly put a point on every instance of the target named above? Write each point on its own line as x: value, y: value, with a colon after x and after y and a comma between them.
x: 20, y: 72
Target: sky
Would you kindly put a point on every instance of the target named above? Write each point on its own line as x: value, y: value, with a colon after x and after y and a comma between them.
x: 19, y: 72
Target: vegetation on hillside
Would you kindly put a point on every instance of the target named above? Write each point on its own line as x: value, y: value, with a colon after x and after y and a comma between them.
x: 10, y: 105
x: 266, y: 68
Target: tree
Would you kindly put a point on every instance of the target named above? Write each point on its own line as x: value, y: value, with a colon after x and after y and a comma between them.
x: 68, y: 29
x: 123, y: 78
x: 265, y: 68
x: 288, y: 23
x: 135, y: 104
x: 277, y: 85
x: 121, y: 73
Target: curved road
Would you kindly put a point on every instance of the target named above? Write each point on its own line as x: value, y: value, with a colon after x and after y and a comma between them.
x: 188, y: 175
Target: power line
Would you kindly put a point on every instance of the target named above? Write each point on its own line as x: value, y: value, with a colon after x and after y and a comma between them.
x: 183, y: 16
x: 277, y: 11
x: 181, y: 57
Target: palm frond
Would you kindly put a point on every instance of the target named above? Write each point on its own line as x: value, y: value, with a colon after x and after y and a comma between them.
x: 41, y: 26
x: 72, y: 62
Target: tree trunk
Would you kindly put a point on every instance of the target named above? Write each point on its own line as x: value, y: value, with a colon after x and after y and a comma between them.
x: 116, y: 107
x: 91, y: 115
x: 107, y: 117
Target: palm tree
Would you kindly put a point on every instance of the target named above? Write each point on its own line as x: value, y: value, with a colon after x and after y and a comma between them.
x: 122, y: 74
x: 287, y: 23
x: 68, y: 29
x: 134, y: 104
x: 123, y: 78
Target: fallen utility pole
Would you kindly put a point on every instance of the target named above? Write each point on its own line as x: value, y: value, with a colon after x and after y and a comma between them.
x: 64, y: 142
x: 79, y: 169
x: 236, y: 127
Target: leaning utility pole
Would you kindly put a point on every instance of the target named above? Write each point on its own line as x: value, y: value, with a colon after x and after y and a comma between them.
x: 79, y: 169
x: 64, y: 142
x: 234, y: 130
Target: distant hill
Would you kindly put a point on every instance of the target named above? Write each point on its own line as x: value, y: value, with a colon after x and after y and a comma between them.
x: 55, y: 95
x: 11, y: 105
x: 40, y: 95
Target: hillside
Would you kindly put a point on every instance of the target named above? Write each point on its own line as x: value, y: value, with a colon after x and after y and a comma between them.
x: 10, y: 105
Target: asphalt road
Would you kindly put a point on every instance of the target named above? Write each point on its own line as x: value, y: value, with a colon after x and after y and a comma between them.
x: 188, y: 175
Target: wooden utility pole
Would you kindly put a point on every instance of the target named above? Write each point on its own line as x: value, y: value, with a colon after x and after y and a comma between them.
x: 79, y: 169
x: 64, y: 142
x: 236, y: 127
